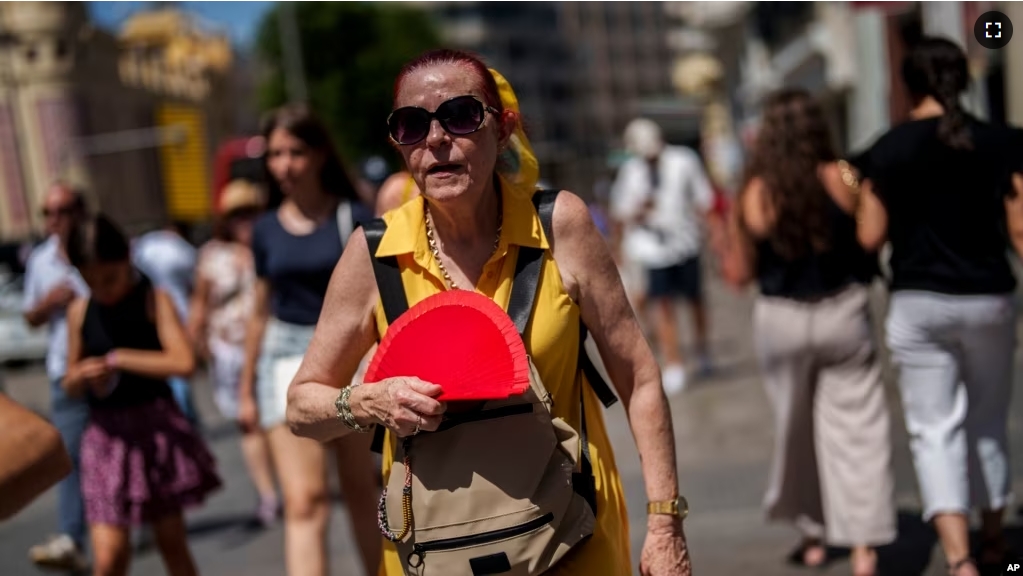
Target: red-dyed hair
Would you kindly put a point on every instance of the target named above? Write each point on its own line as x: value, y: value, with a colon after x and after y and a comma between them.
x: 491, y: 96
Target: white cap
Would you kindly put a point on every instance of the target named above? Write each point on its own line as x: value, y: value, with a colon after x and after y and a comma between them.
x: 643, y: 138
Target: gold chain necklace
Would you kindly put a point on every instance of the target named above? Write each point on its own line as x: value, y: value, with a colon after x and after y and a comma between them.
x: 432, y: 241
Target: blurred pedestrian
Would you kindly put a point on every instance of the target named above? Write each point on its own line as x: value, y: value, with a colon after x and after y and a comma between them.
x: 457, y: 126
x: 222, y: 303
x: 940, y: 187
x: 142, y: 462
x: 374, y: 172
x: 793, y: 231
x: 662, y: 198
x: 51, y: 284
x: 398, y: 189
x: 296, y: 248
x: 168, y: 259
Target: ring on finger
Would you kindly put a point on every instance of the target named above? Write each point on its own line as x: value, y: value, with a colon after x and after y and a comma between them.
x: 419, y: 423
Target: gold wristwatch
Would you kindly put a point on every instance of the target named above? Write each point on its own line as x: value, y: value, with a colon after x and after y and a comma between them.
x: 675, y: 507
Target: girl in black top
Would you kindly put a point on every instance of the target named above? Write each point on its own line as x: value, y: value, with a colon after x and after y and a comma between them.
x: 940, y: 188
x: 141, y: 461
x: 793, y: 231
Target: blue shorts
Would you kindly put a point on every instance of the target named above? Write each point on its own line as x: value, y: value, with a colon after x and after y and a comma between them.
x: 683, y: 279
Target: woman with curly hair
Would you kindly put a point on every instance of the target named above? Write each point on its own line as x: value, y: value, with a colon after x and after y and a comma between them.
x: 793, y: 231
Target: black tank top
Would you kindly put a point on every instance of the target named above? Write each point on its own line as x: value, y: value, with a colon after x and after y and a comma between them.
x: 127, y: 324
x: 818, y: 274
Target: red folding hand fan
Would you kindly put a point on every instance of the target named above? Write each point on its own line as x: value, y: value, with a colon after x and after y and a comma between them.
x: 459, y: 340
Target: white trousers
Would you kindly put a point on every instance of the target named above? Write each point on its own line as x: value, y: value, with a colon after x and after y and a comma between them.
x: 831, y: 475
x: 955, y: 358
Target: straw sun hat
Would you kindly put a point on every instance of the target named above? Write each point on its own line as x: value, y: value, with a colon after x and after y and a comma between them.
x: 240, y: 195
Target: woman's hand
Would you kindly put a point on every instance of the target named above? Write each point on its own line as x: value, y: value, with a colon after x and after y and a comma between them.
x: 248, y: 412
x: 89, y: 374
x: 665, y: 552
x: 202, y: 351
x: 406, y: 406
x: 94, y: 371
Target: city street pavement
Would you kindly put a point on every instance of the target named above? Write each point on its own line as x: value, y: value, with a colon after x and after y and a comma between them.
x: 724, y: 438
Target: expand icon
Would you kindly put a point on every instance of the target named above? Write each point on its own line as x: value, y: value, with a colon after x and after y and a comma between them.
x: 993, y: 30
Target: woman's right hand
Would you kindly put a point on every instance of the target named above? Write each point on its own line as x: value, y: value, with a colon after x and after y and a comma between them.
x: 94, y: 371
x: 248, y: 412
x: 406, y: 406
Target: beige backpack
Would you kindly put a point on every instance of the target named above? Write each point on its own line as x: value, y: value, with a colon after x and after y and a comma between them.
x: 503, y: 487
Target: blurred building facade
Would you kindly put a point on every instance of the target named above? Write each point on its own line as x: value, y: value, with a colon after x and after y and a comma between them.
x: 581, y: 71
x: 849, y: 54
x: 126, y: 117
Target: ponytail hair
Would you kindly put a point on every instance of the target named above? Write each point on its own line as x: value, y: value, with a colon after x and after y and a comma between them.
x: 937, y: 67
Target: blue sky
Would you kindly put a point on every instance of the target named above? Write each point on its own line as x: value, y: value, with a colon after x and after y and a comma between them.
x: 239, y: 19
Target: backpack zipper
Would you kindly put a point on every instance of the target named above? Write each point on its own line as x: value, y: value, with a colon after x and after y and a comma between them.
x: 419, y: 550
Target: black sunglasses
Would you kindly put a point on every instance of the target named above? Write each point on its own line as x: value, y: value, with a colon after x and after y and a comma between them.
x: 62, y: 211
x: 459, y: 116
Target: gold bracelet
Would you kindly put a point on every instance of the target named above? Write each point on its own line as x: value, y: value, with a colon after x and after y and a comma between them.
x: 344, y: 410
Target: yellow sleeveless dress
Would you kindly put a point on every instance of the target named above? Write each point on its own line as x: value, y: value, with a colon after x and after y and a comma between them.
x: 552, y: 341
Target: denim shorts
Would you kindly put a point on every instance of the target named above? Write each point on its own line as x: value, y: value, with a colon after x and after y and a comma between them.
x: 283, y: 343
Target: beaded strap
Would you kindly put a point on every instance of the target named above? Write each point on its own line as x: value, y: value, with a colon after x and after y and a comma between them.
x: 406, y: 501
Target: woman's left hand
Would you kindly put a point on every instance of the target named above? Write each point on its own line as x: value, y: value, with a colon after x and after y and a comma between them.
x: 665, y: 552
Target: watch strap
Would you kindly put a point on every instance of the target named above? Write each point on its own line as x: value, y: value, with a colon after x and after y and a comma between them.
x: 663, y: 507
x: 675, y: 507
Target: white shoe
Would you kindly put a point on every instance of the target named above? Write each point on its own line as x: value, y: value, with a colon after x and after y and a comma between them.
x: 59, y: 552
x: 673, y: 379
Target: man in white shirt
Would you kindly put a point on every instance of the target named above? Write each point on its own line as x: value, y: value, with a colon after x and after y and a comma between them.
x: 661, y: 199
x: 169, y: 261
x: 51, y: 283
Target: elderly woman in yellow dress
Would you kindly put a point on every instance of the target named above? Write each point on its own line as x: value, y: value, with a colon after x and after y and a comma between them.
x: 457, y: 125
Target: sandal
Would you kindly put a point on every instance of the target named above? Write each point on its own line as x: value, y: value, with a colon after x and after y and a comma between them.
x: 994, y: 552
x: 798, y: 556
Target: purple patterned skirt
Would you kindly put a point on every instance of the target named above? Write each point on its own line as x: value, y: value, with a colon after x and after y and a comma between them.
x: 141, y: 463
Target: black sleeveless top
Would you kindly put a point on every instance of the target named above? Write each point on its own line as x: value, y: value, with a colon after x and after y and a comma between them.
x: 126, y: 324
x: 818, y: 274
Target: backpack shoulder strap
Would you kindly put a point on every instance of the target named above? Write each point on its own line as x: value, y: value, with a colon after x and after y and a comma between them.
x: 392, y: 293
x: 523, y: 294
x: 386, y: 271
x: 543, y: 201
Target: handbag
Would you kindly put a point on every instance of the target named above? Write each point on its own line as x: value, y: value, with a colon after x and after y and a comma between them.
x: 644, y: 245
x: 32, y: 457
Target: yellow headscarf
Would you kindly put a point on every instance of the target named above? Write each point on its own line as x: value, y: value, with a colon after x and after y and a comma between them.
x: 516, y: 165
